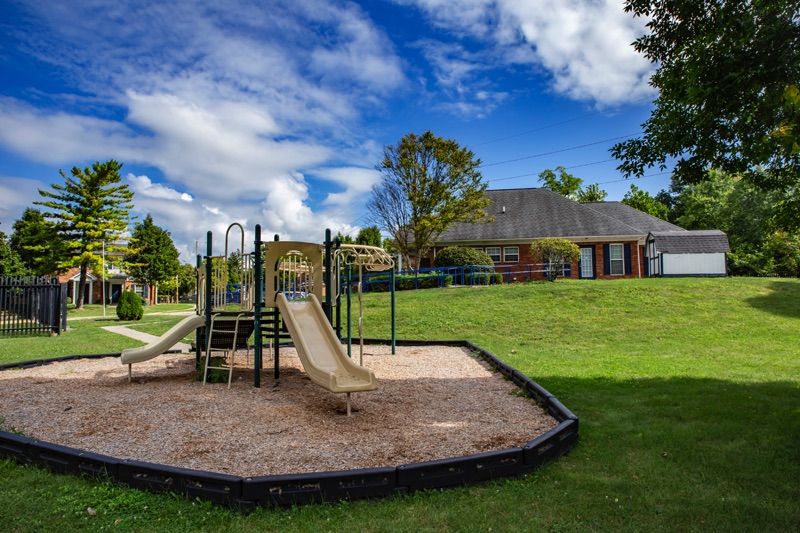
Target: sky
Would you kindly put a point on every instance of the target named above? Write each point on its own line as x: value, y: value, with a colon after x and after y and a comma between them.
x: 277, y: 112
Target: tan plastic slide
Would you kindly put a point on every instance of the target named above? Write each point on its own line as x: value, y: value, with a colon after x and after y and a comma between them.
x: 321, y: 352
x: 164, y: 342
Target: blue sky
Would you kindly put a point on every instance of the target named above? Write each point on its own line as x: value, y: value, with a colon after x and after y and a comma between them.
x: 277, y: 112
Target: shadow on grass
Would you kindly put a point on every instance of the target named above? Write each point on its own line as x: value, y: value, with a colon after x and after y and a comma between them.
x: 683, y: 448
x: 784, y: 299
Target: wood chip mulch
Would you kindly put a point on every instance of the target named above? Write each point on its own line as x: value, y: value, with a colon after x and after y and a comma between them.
x: 432, y: 402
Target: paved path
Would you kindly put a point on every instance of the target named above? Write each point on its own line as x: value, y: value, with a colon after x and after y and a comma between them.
x: 144, y: 337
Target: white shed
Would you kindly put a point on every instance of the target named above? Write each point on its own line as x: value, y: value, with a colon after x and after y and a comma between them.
x: 687, y: 253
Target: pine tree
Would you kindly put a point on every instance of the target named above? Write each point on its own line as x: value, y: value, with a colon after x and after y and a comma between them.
x: 89, y: 209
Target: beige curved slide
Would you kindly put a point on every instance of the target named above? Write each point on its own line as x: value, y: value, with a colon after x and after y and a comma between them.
x: 164, y: 342
x: 321, y: 352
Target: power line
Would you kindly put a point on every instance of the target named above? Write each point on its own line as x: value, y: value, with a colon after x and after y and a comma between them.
x: 576, y: 166
x: 639, y: 178
x: 553, y: 125
x: 559, y: 151
x: 565, y: 168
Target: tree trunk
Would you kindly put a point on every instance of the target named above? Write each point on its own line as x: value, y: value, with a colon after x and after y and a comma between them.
x: 81, y: 287
x: 412, y: 265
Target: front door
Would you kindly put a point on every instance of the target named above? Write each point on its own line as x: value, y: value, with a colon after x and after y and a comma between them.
x: 586, y: 263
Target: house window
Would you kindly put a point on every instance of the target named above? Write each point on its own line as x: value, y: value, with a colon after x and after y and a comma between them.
x: 616, y: 258
x: 139, y: 290
x: 494, y: 253
x: 511, y: 254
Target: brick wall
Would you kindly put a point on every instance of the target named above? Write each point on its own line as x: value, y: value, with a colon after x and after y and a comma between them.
x: 526, y: 258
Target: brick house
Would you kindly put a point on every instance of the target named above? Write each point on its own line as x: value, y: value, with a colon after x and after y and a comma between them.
x: 612, y: 236
x: 116, y: 282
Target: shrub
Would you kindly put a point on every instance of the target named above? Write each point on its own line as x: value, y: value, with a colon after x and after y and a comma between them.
x: 129, y: 306
x: 462, y: 256
x: 215, y: 375
x: 410, y: 282
x: 554, y: 252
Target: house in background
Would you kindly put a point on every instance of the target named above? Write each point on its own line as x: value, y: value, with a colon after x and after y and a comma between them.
x: 116, y: 282
x: 613, y: 237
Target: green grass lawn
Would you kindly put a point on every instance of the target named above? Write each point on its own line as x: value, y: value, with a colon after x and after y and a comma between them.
x: 85, y: 335
x: 688, y: 393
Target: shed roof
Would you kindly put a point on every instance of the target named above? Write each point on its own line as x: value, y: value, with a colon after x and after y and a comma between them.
x: 690, y: 242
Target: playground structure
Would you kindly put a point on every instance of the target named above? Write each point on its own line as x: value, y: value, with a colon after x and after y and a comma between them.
x: 289, y: 290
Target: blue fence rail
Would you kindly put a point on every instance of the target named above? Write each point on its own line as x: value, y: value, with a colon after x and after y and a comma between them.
x: 428, y: 278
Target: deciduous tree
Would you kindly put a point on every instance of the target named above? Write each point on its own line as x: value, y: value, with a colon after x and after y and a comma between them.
x: 427, y: 185
x: 187, y: 279
x: 641, y: 200
x: 235, y: 267
x: 555, y: 253
x: 10, y: 262
x: 38, y: 243
x: 561, y: 182
x: 151, y: 257
x: 90, y: 208
x: 727, y: 78
x: 592, y: 193
x: 369, y: 236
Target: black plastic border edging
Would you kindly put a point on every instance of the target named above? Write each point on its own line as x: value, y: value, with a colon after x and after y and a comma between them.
x: 292, y: 489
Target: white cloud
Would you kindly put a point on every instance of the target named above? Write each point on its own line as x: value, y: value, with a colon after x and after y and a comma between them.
x: 356, y: 181
x: 584, y: 45
x: 60, y: 137
x: 15, y: 195
x: 143, y: 186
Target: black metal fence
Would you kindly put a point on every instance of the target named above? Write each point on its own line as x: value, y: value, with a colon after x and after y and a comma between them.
x: 32, y: 306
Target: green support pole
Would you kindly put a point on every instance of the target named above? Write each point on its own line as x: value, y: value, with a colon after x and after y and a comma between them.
x: 209, y: 289
x: 258, y: 290
x: 349, y: 307
x: 337, y: 243
x: 277, y: 334
x: 197, y: 348
x: 327, y: 278
x: 394, y: 323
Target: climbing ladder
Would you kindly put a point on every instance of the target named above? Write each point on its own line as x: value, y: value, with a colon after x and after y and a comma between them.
x: 226, y: 336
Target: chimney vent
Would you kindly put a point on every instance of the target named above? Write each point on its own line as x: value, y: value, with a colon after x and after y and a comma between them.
x: 504, y: 209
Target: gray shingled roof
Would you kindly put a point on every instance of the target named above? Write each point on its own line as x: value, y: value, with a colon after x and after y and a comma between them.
x: 690, y: 242
x: 633, y: 217
x: 528, y: 214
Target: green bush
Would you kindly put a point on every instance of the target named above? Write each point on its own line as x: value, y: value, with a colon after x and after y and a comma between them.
x: 408, y: 282
x: 483, y: 278
x: 215, y: 375
x: 462, y: 256
x: 129, y: 306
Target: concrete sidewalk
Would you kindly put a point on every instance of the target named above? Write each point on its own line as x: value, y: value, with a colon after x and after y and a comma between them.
x: 144, y: 337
